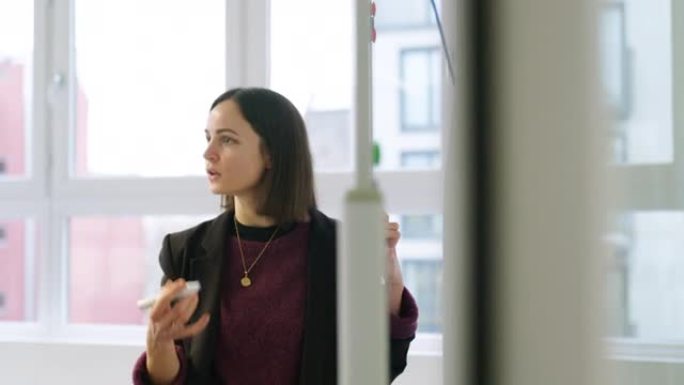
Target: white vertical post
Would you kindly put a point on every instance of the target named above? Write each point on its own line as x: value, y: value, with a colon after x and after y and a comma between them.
x: 547, y: 185
x: 363, y: 97
x: 362, y: 299
x: 456, y: 283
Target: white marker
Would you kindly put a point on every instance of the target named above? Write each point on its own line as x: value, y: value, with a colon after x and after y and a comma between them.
x: 191, y: 287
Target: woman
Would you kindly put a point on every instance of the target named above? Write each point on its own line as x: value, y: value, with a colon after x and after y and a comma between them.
x: 266, y: 313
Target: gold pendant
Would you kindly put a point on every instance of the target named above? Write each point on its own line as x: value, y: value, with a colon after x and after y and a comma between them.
x: 246, y: 282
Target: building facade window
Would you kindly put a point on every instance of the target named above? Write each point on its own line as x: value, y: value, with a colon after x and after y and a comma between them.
x: 428, y: 226
x: 420, y: 159
x: 424, y: 277
x: 403, y: 14
x: 420, y: 100
x: 421, y: 262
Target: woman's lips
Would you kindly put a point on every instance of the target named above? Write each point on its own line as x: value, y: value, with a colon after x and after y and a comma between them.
x: 213, y: 175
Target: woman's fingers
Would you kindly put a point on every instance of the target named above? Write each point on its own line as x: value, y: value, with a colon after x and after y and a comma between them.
x: 392, y: 234
x: 189, y: 308
x: 193, y: 329
x: 169, y: 318
x: 163, y: 303
x: 178, y: 314
x: 175, y: 325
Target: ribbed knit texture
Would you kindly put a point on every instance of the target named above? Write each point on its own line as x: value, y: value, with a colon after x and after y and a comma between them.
x: 260, y: 339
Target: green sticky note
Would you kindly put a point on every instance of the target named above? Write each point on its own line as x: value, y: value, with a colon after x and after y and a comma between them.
x: 376, y: 153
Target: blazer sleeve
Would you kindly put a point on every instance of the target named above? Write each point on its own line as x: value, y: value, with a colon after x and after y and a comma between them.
x: 168, y: 261
x: 169, y: 267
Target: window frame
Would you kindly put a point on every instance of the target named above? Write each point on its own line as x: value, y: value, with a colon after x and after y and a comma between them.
x: 51, y: 196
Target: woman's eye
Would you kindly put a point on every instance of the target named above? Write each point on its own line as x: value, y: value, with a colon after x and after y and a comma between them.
x: 226, y: 139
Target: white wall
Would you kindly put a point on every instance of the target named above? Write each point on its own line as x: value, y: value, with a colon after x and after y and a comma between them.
x: 40, y: 364
x: 78, y: 364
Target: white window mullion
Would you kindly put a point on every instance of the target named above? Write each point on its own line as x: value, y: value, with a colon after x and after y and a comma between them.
x: 52, y: 294
x: 61, y: 79
x: 411, y: 192
x: 630, y: 349
x: 247, y: 47
x: 678, y: 98
x: 257, y: 49
x: 181, y: 188
x: 205, y: 204
x: 423, y: 194
x: 634, y: 184
x: 42, y: 62
x: 235, y: 61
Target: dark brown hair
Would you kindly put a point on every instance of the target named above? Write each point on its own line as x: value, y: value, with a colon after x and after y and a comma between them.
x: 286, y: 191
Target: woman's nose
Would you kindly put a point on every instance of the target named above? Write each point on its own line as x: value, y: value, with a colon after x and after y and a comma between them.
x: 210, y: 153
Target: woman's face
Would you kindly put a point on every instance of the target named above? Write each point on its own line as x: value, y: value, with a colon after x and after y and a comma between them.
x: 234, y: 161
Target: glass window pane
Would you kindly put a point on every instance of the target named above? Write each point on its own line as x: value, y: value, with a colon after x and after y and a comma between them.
x: 421, y: 226
x: 17, y: 283
x: 420, y: 253
x: 403, y: 13
x: 420, y: 159
x: 645, y: 276
x: 315, y: 71
x: 645, y: 266
x: 311, y: 64
x: 424, y: 280
x: 436, y: 87
x: 143, y: 90
x: 415, y: 72
x: 636, y: 58
x: 16, y: 84
x: 421, y: 93
x: 113, y: 262
x: 407, y: 77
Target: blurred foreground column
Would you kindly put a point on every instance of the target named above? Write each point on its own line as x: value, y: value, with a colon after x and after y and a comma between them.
x: 529, y: 105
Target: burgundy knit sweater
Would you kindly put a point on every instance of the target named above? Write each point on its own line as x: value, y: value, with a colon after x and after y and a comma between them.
x: 261, y: 333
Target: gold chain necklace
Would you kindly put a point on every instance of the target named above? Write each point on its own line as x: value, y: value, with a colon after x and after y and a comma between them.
x: 246, y: 281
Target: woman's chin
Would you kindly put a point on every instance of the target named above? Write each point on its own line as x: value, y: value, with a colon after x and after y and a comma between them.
x: 217, y: 190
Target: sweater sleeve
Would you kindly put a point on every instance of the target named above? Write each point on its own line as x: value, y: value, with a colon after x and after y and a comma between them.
x: 404, y: 324
x: 402, y: 332
x: 142, y: 377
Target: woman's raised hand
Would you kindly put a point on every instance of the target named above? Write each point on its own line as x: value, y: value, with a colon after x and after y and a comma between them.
x: 169, y: 319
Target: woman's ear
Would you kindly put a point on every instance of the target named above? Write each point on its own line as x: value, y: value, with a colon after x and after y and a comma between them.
x: 267, y: 161
x: 266, y: 156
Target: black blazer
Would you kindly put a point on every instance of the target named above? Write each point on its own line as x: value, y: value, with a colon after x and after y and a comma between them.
x: 197, y: 254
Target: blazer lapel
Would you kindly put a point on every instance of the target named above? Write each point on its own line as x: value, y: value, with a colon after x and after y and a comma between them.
x: 206, y: 267
x: 319, y: 355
